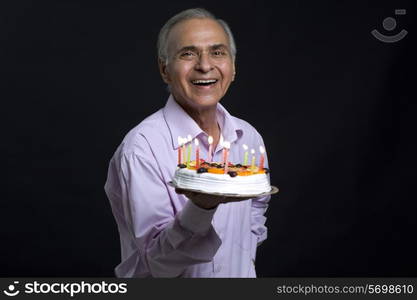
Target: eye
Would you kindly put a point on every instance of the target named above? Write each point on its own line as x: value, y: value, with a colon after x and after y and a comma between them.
x: 187, y: 54
x: 219, y: 52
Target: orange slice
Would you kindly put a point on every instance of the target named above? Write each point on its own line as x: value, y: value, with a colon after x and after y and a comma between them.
x: 216, y: 170
x: 244, y: 173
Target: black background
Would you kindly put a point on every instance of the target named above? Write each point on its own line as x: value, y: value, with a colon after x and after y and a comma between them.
x: 335, y: 107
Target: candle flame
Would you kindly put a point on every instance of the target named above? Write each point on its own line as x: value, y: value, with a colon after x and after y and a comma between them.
x: 252, y: 151
x: 262, y: 149
x: 221, y: 140
x: 189, y: 138
x: 245, y: 147
x: 179, y: 140
x: 196, y: 142
x: 226, y: 145
x: 210, y: 139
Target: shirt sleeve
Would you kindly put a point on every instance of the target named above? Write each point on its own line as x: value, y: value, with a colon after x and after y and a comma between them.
x: 259, y: 207
x: 165, y: 242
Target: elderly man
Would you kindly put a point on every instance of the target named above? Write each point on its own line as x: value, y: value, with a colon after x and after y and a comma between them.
x: 170, y: 233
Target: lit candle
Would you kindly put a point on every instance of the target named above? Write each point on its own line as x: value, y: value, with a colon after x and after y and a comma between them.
x: 262, y: 158
x: 245, y: 157
x: 210, y: 154
x: 179, y: 150
x: 253, y: 160
x: 197, y: 154
x: 189, y: 139
x: 226, y: 146
x: 221, y: 142
x: 184, y: 153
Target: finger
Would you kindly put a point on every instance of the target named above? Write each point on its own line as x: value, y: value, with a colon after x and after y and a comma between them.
x: 235, y: 199
x: 189, y: 194
x: 180, y: 191
x: 225, y: 199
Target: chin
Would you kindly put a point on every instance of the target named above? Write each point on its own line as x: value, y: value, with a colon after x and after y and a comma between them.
x: 205, y: 101
x: 198, y: 99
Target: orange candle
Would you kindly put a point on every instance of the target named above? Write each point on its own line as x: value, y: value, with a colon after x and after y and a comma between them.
x: 197, y: 154
x: 226, y: 148
x: 210, y: 153
x: 189, y: 139
x: 221, y: 142
x: 179, y: 150
x: 184, y: 153
x: 262, y: 158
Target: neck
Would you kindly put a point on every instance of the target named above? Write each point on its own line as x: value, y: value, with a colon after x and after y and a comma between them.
x: 206, y: 119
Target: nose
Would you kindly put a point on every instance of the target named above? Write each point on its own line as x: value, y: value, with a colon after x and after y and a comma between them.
x: 204, y: 63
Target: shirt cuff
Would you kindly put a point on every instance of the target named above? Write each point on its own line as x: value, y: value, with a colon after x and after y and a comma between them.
x: 196, y: 219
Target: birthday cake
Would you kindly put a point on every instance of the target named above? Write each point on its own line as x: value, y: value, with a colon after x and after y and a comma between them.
x: 215, y: 178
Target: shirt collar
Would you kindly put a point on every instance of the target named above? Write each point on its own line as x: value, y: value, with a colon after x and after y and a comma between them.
x: 181, y: 124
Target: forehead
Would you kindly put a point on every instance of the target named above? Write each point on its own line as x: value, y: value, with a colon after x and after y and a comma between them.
x: 200, y: 33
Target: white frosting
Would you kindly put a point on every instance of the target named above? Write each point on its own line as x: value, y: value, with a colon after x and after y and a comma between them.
x: 221, y: 183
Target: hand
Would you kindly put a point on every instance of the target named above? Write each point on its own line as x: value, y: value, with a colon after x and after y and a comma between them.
x: 208, y: 201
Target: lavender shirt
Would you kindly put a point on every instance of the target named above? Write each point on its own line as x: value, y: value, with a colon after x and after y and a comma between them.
x: 163, y: 234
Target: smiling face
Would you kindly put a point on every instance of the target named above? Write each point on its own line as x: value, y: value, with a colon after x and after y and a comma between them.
x: 200, y: 65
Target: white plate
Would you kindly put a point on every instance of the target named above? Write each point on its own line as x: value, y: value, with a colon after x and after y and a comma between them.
x: 273, y: 190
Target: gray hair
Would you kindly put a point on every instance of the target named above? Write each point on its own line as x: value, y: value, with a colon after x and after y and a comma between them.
x: 193, y: 13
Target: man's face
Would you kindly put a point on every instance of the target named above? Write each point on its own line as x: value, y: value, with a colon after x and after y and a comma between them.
x: 200, y: 65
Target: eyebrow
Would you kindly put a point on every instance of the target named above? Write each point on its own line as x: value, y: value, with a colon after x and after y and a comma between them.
x: 218, y: 46
x: 194, y: 48
x: 187, y: 48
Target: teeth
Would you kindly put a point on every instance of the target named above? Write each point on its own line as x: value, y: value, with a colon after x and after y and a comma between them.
x: 204, y: 81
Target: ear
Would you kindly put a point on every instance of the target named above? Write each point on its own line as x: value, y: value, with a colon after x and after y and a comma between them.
x: 163, y: 71
x: 234, y: 72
